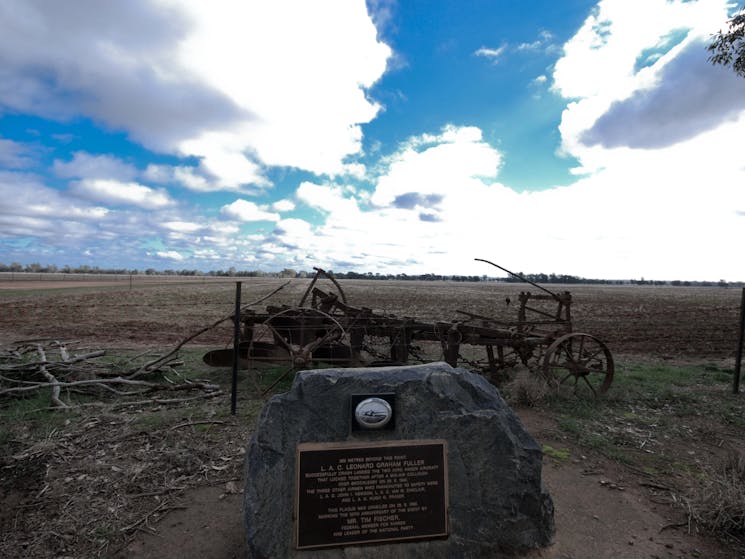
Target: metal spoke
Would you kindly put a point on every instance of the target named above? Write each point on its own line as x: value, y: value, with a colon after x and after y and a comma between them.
x: 590, y: 385
x: 580, y: 355
x: 277, y: 381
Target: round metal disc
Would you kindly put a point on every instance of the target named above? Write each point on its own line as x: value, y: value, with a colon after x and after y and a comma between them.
x: 373, y: 413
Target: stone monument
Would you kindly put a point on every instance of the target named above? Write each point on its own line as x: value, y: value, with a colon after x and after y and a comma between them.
x: 423, y: 461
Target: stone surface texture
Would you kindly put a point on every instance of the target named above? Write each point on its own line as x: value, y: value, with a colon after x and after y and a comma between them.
x: 498, y: 504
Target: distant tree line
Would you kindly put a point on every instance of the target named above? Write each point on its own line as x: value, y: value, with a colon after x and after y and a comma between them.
x: 232, y: 272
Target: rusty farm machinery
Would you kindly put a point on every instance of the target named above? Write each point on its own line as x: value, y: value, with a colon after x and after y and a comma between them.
x: 325, y: 330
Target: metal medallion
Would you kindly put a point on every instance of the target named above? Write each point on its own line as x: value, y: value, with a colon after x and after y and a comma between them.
x: 373, y: 413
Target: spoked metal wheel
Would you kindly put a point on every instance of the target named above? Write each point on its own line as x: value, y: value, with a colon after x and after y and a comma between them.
x: 306, y: 335
x: 580, y: 362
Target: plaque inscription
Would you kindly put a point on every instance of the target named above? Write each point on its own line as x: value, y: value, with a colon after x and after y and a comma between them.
x: 350, y: 493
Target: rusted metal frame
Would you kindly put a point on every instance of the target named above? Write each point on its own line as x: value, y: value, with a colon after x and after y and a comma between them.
x: 565, y: 303
x: 490, y: 359
x: 488, y: 319
x: 302, y: 326
x: 400, y: 342
x: 452, y: 351
x: 542, y: 313
x: 310, y: 287
x: 321, y: 272
x: 529, y: 295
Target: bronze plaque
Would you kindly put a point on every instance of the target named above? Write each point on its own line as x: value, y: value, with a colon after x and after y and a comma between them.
x: 353, y: 493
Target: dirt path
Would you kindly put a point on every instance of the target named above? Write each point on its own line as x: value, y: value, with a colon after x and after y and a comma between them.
x: 603, y: 511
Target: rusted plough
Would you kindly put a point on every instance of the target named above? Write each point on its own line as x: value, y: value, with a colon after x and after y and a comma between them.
x: 324, y: 330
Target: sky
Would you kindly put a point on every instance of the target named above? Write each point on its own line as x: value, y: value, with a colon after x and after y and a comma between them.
x: 574, y: 137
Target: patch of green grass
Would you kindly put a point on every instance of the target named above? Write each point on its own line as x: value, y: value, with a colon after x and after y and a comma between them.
x: 646, y: 401
x: 556, y: 453
x: 5, y: 436
x: 571, y: 425
x: 578, y: 408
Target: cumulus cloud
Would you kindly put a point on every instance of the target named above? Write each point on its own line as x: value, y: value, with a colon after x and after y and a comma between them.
x: 431, y: 167
x: 223, y: 82
x: 28, y: 208
x: 182, y: 226
x: 244, y: 210
x: 118, y: 192
x: 170, y: 255
x: 112, y: 62
x: 283, y: 205
x: 15, y: 155
x: 200, y: 179
x: 689, y: 96
x: 641, y: 82
x: 91, y: 166
x: 328, y: 199
x: 310, y: 100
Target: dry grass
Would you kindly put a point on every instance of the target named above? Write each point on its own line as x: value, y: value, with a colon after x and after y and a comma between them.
x: 527, y: 389
x: 720, y: 504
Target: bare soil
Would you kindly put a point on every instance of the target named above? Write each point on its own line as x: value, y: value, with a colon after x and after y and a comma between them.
x: 167, y: 482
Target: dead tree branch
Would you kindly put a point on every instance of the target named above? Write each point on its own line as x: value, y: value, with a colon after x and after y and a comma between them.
x: 52, y: 381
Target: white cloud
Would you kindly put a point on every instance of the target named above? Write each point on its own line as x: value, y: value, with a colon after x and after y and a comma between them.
x: 170, y: 255
x: 492, y: 54
x: 29, y: 208
x: 283, y: 205
x: 89, y: 166
x: 308, y: 101
x: 540, y: 80
x: 182, y: 226
x: 244, y: 210
x: 627, y: 72
x: 327, y: 199
x: 542, y: 43
x: 15, y: 155
x: 238, y: 85
x: 433, y: 167
x: 437, y: 205
x: 117, y: 192
x: 690, y: 96
x: 112, y: 62
x: 187, y: 177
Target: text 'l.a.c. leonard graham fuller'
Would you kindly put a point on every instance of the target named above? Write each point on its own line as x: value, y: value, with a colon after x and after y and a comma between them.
x: 358, y: 493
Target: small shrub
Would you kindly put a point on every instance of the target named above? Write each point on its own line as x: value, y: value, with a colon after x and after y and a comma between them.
x: 527, y: 389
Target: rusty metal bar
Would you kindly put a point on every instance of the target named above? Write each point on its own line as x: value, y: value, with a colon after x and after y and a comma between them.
x: 518, y: 276
x: 236, y: 347
x: 538, y: 311
x: 738, y: 358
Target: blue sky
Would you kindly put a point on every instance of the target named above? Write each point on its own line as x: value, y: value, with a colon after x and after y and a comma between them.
x: 574, y: 137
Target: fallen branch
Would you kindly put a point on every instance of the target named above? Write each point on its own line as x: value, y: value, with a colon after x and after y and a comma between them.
x: 52, y: 381
x: 190, y: 423
x: 56, y: 385
x: 160, y: 401
x: 164, y: 506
